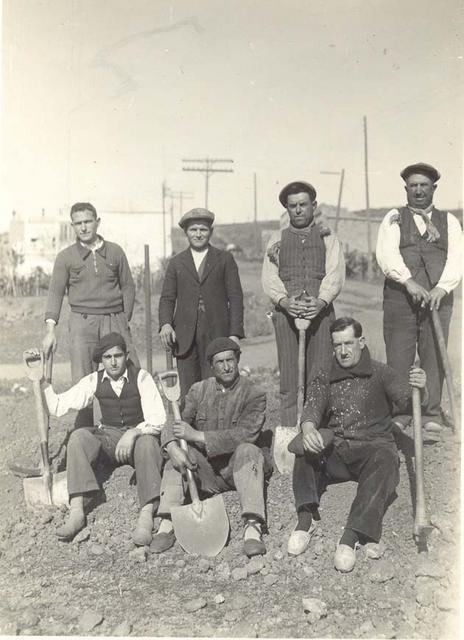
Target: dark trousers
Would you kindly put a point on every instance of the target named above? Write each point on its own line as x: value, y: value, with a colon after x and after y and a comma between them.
x: 373, y: 465
x: 85, y: 332
x: 193, y: 366
x: 318, y: 356
x: 406, y: 325
x: 88, y: 444
x: 244, y: 471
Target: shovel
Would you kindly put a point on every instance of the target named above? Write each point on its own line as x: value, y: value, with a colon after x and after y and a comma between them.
x: 422, y: 526
x: 446, y: 365
x: 48, y: 488
x: 201, y: 527
x: 283, y: 459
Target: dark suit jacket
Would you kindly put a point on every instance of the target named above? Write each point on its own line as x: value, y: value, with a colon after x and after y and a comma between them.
x: 219, y: 288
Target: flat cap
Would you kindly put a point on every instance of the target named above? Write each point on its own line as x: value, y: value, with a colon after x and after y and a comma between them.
x: 297, y: 187
x: 218, y: 345
x: 196, y: 214
x: 422, y: 169
x: 109, y: 341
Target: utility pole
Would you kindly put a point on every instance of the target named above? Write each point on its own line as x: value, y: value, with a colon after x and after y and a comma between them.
x: 165, y: 192
x: 207, y: 167
x: 368, y: 212
x: 180, y: 196
x: 340, y: 191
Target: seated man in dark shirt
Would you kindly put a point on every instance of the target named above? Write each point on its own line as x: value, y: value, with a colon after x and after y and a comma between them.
x: 353, y: 404
x: 221, y: 422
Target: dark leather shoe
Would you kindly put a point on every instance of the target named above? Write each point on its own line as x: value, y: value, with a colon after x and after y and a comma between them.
x: 252, y: 546
x: 162, y: 542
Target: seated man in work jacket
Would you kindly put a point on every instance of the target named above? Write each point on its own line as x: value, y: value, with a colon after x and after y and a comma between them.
x: 352, y: 402
x: 222, y: 420
x: 133, y: 416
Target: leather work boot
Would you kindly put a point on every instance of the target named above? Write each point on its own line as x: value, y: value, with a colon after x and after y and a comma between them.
x: 252, y: 542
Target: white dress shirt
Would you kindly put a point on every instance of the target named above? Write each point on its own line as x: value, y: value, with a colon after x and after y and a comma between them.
x: 82, y: 394
x: 198, y: 256
x: 391, y: 261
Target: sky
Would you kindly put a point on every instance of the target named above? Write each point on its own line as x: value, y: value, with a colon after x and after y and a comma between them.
x: 102, y: 99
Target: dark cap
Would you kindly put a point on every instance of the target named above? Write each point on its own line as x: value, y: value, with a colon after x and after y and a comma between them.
x: 108, y: 342
x: 198, y: 214
x: 218, y: 345
x: 297, y: 187
x: 422, y: 169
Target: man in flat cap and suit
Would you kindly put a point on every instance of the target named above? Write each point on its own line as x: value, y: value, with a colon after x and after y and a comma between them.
x: 132, y: 419
x: 419, y: 252
x: 303, y: 272
x: 201, y: 299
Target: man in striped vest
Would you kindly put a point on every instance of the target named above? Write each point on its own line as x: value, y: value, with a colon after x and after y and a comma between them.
x: 303, y: 272
x: 133, y: 416
x: 419, y: 252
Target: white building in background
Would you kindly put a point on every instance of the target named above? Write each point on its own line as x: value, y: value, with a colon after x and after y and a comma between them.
x: 38, y: 238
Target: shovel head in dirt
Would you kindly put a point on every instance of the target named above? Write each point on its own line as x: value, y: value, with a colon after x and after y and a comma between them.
x: 35, y: 492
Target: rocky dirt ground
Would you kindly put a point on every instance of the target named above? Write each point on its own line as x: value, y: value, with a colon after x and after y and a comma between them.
x: 101, y: 585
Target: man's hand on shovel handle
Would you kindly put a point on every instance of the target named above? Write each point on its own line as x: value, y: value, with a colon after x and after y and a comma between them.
x: 184, y: 431
x: 418, y: 379
x: 33, y: 359
x: 179, y: 458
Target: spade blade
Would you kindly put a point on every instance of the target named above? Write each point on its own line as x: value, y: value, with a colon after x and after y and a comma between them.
x: 201, y: 528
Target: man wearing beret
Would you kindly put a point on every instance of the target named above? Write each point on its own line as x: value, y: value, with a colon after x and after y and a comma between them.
x: 419, y: 252
x: 222, y: 421
x: 201, y: 299
x: 346, y: 435
x: 95, y: 275
x: 303, y: 272
x: 132, y: 419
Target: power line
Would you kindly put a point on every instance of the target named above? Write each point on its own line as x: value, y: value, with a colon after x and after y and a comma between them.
x: 206, y: 166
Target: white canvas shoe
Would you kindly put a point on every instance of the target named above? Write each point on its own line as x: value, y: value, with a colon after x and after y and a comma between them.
x: 345, y: 558
x: 299, y: 541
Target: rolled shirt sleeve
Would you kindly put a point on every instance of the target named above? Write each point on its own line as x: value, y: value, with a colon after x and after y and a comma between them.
x: 452, y: 272
x: 270, y: 280
x: 334, y: 278
x: 387, y: 250
x: 78, y: 397
x: 152, y: 405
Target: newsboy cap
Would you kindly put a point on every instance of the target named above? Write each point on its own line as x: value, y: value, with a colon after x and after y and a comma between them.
x: 196, y: 214
x: 109, y: 341
x: 297, y: 187
x: 218, y: 345
x: 423, y: 169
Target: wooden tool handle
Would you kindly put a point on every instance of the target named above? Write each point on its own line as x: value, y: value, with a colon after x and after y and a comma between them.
x: 421, y: 513
x: 302, y: 327
x: 183, y: 445
x: 41, y: 424
x: 49, y: 367
x: 446, y: 364
x: 169, y: 363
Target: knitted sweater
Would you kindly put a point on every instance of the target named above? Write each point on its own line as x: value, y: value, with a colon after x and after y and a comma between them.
x: 356, y: 403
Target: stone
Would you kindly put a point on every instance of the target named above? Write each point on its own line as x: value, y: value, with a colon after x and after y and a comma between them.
x: 255, y: 565
x: 319, y: 548
x: 309, y: 571
x: 278, y: 555
x: 240, y: 573
x: 122, y: 629
x: 270, y: 579
x: 89, y: 620
x: 223, y: 570
x: 195, y: 605
x: 231, y: 616
x: 82, y: 536
x: 382, y: 571
x: 96, y: 549
x: 366, y: 627
x: 180, y: 563
x: 425, y: 593
x: 429, y: 569
x: 314, y: 606
x: 139, y: 554
x: 219, y: 599
x: 445, y: 601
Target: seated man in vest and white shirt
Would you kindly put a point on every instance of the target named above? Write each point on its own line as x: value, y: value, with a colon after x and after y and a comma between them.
x: 419, y: 251
x: 133, y: 416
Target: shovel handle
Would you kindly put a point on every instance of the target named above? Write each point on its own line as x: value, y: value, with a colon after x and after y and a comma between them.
x: 169, y: 363
x: 420, y: 519
x: 183, y: 445
x: 446, y: 364
x: 49, y: 367
x: 302, y: 326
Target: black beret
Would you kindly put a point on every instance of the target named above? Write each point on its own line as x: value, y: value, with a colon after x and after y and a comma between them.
x: 107, y: 342
x: 297, y: 187
x: 422, y: 169
x: 218, y: 345
x: 196, y: 214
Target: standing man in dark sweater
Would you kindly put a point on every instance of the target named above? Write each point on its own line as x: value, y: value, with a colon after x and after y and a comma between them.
x: 303, y: 272
x: 201, y: 299
x: 132, y: 419
x: 419, y: 250
x: 101, y: 292
x: 352, y: 403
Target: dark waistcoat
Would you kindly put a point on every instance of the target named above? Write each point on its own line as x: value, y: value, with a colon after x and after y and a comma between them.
x: 425, y: 260
x: 302, y: 261
x: 125, y: 411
